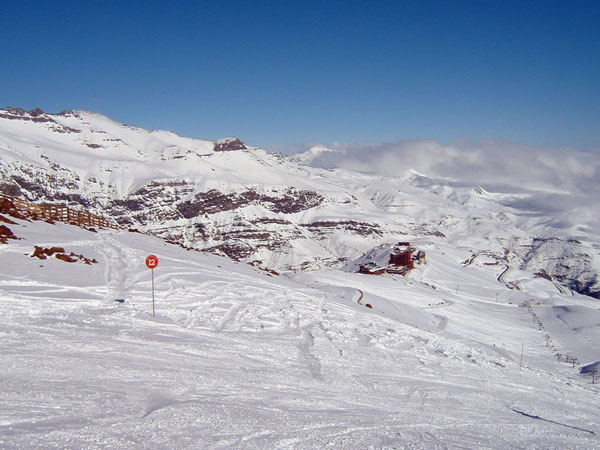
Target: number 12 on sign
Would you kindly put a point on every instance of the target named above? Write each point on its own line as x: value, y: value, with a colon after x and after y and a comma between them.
x: 152, y: 263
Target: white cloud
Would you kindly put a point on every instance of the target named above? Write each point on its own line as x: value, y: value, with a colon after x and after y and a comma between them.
x: 563, y: 184
x: 490, y: 163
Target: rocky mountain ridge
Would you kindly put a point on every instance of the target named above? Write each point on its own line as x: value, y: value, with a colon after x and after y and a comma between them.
x: 226, y: 197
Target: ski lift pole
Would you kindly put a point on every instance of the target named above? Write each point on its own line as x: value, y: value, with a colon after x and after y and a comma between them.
x: 521, y: 363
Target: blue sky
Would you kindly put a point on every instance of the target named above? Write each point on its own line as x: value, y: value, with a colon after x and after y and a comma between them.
x: 279, y: 74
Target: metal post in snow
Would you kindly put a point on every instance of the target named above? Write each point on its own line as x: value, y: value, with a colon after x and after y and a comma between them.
x: 152, y: 292
x: 521, y: 364
x: 151, y: 263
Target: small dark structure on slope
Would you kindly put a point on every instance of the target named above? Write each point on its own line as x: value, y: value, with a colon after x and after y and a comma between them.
x: 401, y: 255
x: 371, y: 268
x: 402, y: 260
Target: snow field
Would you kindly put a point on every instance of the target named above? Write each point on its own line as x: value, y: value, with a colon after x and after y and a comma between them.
x: 236, y: 358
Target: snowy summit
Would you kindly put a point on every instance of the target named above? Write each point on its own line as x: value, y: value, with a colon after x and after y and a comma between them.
x: 294, y: 306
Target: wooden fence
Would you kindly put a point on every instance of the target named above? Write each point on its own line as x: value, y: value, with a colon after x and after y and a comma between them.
x: 60, y: 213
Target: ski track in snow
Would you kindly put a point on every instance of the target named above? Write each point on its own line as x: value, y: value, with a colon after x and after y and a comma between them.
x: 237, y: 359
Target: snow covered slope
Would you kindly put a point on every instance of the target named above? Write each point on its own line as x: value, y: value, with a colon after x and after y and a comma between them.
x: 237, y: 357
x: 252, y: 205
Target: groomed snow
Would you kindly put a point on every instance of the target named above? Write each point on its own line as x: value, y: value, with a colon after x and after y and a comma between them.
x: 238, y: 358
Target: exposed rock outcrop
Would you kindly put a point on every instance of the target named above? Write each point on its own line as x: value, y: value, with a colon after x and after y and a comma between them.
x: 229, y: 144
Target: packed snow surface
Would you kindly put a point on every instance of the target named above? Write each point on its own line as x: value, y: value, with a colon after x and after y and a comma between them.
x: 236, y: 357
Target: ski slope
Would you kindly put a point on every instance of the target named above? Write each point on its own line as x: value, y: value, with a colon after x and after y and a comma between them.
x: 252, y: 205
x: 236, y: 357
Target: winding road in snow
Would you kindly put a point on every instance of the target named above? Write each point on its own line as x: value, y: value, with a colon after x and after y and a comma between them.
x: 362, y: 294
x: 501, y: 276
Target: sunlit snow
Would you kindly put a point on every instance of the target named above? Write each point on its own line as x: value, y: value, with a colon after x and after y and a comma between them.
x: 238, y: 358
x: 478, y: 346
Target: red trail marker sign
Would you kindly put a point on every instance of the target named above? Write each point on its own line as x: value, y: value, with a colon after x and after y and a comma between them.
x: 152, y: 263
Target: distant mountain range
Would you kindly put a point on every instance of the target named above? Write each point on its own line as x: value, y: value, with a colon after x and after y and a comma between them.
x: 274, y: 210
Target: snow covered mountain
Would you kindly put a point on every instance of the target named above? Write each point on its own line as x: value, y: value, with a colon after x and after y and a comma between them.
x: 478, y: 346
x: 272, y: 209
x: 236, y: 357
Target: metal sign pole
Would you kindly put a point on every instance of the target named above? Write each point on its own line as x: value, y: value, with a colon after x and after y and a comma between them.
x: 152, y: 263
x: 152, y: 292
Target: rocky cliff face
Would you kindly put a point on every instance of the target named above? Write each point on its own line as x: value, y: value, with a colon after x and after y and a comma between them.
x: 226, y: 197
x: 568, y: 261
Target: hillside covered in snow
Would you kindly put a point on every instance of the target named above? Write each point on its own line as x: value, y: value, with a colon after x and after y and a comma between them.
x: 275, y: 210
x: 265, y: 334
x: 238, y: 357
